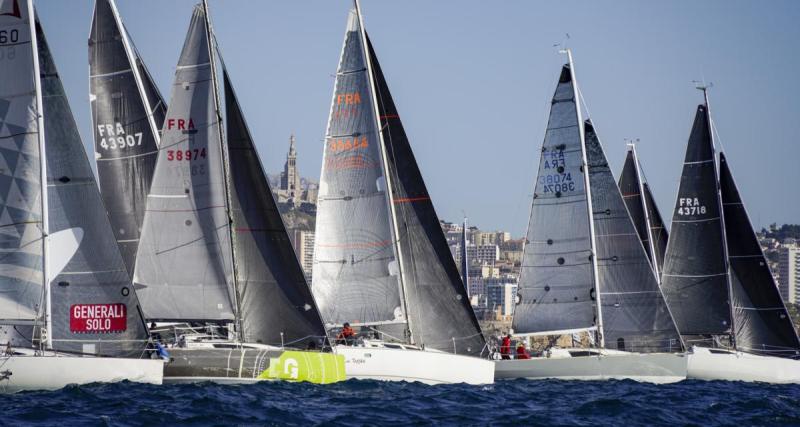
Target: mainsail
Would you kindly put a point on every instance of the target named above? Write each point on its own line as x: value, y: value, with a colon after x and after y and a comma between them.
x: 127, y: 113
x: 695, y: 278
x: 643, y: 210
x: 184, y: 264
x: 556, y: 284
x: 761, y: 323
x: 21, y: 219
x: 635, y: 315
x: 93, y: 308
x: 439, y: 309
x: 276, y: 303
x: 356, y: 274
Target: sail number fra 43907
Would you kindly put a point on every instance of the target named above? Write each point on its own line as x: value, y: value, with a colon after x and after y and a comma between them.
x: 114, y: 137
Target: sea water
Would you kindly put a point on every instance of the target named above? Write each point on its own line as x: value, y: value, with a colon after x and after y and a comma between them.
x: 357, y: 402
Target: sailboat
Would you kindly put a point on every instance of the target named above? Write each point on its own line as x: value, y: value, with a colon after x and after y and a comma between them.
x: 67, y: 308
x: 717, y: 280
x: 584, y: 268
x: 643, y: 210
x: 127, y: 114
x: 214, y: 252
x: 381, y: 260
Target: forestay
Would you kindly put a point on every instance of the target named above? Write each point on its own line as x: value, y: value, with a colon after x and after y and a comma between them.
x: 635, y: 315
x: 695, y: 280
x: 658, y: 231
x: 125, y: 127
x: 355, y: 275
x: 94, y: 308
x: 762, y: 324
x: 276, y: 303
x: 184, y: 266
x: 556, y: 284
x: 437, y: 302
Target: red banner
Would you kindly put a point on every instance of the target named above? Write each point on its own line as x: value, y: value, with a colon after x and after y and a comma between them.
x: 98, y: 318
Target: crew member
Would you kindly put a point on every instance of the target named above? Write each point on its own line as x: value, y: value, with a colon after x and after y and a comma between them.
x: 347, y: 335
x: 505, y: 347
x: 522, y: 353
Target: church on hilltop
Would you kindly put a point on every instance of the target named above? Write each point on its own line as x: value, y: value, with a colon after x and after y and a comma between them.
x: 292, y: 190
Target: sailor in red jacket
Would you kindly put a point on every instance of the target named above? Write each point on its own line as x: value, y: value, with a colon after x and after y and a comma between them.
x: 505, y: 347
x: 522, y: 353
x: 347, y: 335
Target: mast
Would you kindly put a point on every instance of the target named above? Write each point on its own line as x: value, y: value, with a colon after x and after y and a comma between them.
x: 225, y: 168
x: 390, y: 198
x: 585, y: 162
x: 43, y: 170
x: 703, y: 87
x: 648, y: 225
x: 135, y: 69
x: 464, y: 259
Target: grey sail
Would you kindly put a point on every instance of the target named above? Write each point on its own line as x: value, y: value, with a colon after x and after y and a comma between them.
x: 438, y: 306
x: 635, y: 315
x: 642, y: 208
x: 184, y: 267
x: 556, y: 284
x: 355, y: 274
x: 94, y: 308
x: 657, y: 228
x: 695, y: 280
x: 762, y: 324
x: 276, y: 302
x: 126, y: 140
x: 21, y: 236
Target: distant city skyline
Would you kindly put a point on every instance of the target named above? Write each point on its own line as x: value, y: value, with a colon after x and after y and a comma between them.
x: 473, y: 81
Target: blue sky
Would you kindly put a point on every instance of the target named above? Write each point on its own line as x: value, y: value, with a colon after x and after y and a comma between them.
x: 473, y: 81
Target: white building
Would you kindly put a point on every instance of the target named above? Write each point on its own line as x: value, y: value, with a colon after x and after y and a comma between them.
x: 303, y: 243
x: 501, y: 296
x: 789, y: 272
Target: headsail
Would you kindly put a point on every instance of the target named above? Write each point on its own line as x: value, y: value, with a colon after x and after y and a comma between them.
x: 276, y: 303
x: 643, y: 210
x: 125, y: 130
x: 93, y: 306
x: 695, y: 279
x: 355, y: 275
x: 184, y: 267
x: 762, y: 324
x: 635, y: 315
x: 556, y: 284
x: 21, y: 232
x: 438, y: 306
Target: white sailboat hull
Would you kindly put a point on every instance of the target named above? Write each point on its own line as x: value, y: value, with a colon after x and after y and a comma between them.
x: 407, y: 364
x: 657, y: 368
x: 713, y: 364
x: 52, y: 372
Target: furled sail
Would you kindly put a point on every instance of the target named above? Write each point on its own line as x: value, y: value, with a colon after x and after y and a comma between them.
x: 355, y: 275
x: 695, y: 279
x: 93, y: 306
x: 21, y: 231
x: 762, y: 324
x: 125, y: 128
x: 642, y: 208
x: 556, y: 284
x: 276, y: 303
x: 635, y: 315
x: 439, y: 309
x: 184, y: 262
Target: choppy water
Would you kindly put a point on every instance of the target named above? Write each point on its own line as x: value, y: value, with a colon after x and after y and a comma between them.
x: 377, y: 403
